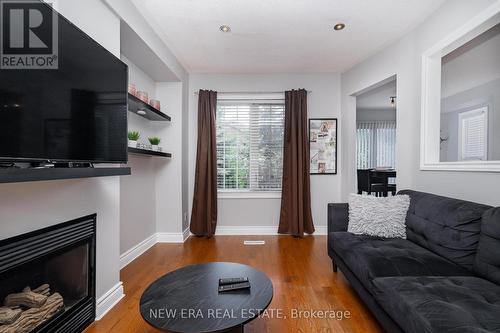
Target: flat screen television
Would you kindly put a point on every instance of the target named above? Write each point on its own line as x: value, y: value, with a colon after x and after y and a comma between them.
x: 76, y: 112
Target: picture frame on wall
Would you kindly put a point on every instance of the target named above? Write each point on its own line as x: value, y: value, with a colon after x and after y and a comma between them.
x: 323, y: 146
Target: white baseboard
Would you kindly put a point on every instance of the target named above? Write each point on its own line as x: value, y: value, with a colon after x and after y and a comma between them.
x: 159, y: 237
x: 107, y: 301
x: 129, y: 256
x: 246, y: 230
x: 170, y: 237
x: 321, y: 230
x: 258, y: 231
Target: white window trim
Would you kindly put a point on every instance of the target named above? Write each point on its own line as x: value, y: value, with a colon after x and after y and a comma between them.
x: 250, y: 194
x: 431, y: 95
x: 227, y: 194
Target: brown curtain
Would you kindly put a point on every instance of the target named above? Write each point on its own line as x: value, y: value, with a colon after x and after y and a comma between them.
x: 204, y: 213
x: 295, y: 215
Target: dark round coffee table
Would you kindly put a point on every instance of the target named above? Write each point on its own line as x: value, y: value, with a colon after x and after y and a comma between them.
x: 188, y: 300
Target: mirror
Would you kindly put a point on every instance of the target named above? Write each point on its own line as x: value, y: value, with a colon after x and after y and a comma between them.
x: 470, y: 100
x: 460, y: 120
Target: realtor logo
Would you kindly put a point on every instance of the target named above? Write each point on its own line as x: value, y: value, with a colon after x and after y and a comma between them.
x: 28, y: 35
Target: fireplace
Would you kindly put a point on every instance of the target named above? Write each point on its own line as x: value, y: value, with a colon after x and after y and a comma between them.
x: 47, y: 279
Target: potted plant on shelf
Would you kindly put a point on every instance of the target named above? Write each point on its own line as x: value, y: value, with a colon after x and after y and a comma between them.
x: 155, y: 141
x: 133, y: 137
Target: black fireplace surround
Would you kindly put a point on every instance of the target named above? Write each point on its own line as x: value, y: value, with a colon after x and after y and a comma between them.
x: 62, y: 256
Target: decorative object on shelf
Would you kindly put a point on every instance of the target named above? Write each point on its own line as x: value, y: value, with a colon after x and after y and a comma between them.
x: 133, y: 137
x: 323, y: 146
x: 132, y: 89
x: 141, y: 145
x: 155, y: 141
x: 155, y: 103
x: 143, y: 96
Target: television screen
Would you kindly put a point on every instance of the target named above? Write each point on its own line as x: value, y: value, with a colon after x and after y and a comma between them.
x: 73, y: 106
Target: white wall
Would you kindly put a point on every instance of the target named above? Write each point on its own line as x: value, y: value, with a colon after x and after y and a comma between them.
x: 404, y: 59
x: 324, y: 101
x: 29, y: 206
x: 138, y: 191
x: 169, y: 211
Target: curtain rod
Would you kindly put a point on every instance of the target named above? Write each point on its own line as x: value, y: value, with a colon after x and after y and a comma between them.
x: 251, y: 92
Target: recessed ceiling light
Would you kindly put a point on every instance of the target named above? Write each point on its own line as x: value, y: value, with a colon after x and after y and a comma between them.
x: 225, y: 28
x: 339, y: 26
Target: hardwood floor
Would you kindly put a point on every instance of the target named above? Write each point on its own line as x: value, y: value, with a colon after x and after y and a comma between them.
x: 300, y: 269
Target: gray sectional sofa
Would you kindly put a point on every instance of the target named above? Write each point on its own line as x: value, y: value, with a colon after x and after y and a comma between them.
x: 445, y: 277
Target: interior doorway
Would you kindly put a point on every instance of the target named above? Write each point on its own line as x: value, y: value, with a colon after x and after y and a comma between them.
x: 376, y: 125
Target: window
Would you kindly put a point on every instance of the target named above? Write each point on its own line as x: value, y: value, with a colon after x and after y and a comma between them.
x: 376, y: 144
x: 473, y: 135
x: 250, y: 145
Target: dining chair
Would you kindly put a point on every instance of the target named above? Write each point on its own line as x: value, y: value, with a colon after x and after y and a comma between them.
x: 367, y: 183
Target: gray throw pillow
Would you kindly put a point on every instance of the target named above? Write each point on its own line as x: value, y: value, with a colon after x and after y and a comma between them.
x: 382, y: 217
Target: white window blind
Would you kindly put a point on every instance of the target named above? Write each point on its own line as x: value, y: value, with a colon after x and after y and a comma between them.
x: 376, y: 144
x: 473, y: 134
x: 250, y: 144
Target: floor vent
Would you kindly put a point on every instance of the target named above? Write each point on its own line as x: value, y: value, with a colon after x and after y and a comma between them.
x: 254, y: 242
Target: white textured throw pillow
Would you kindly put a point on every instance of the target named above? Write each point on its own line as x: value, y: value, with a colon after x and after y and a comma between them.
x: 382, y: 217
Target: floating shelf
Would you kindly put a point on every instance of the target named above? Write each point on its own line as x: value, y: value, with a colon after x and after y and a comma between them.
x: 153, y: 114
x: 13, y: 175
x: 137, y: 151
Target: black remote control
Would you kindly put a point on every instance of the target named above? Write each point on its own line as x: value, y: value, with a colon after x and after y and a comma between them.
x: 236, y: 286
x: 232, y: 280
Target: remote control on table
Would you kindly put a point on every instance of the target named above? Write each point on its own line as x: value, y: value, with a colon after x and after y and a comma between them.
x: 236, y: 286
x: 232, y: 280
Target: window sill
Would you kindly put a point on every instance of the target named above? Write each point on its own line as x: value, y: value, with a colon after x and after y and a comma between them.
x: 248, y: 195
x: 466, y: 166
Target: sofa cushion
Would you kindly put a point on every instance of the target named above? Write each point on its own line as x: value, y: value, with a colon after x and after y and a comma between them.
x: 440, y: 304
x: 383, y: 217
x: 446, y: 226
x: 369, y: 257
x: 487, y: 261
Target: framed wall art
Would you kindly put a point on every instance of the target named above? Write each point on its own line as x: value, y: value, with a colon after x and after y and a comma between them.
x: 323, y: 146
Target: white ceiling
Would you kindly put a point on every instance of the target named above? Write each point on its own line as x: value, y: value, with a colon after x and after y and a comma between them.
x: 280, y: 36
x: 378, y: 98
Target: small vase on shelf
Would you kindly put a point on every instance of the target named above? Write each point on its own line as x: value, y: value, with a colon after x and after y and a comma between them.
x: 155, y: 103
